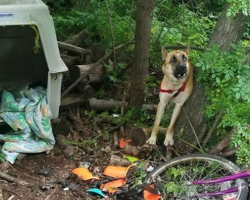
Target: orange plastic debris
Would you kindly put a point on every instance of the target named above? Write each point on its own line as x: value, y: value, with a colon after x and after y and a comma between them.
x: 123, y: 143
x: 116, y: 171
x: 150, y: 196
x: 112, y: 186
x: 84, y: 174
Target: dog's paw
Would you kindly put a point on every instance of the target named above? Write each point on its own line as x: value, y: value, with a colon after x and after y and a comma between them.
x: 169, y: 141
x: 152, y: 140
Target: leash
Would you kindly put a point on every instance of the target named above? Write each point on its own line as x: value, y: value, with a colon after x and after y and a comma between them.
x: 181, y: 89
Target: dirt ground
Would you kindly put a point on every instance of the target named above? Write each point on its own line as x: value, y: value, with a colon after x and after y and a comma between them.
x: 49, y: 174
x: 27, y: 169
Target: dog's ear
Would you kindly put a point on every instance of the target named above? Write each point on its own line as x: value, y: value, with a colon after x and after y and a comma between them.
x: 164, y: 53
x: 187, y: 49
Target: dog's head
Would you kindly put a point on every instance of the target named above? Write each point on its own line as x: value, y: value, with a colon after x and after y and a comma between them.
x: 175, y: 63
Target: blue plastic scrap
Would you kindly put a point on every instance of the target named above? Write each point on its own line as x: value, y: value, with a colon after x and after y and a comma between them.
x: 96, y: 191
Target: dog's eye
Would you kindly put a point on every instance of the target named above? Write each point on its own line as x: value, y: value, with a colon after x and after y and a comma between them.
x: 173, y: 59
x: 184, y: 58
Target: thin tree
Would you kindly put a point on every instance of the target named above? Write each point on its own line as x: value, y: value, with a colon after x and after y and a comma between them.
x: 139, y: 73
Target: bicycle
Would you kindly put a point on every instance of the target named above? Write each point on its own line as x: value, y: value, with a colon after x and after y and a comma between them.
x: 190, y: 177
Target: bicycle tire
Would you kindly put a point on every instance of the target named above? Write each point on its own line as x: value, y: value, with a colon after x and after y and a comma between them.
x: 230, y: 166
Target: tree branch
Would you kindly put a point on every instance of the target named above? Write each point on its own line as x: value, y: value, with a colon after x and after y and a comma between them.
x: 215, y: 124
x: 111, y: 32
x: 221, y: 145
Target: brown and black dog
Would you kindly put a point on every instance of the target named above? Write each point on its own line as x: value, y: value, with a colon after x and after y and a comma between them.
x: 176, y: 86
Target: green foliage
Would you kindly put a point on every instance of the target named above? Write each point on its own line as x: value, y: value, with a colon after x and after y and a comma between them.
x: 238, y: 6
x: 188, y: 28
x: 171, y: 186
x: 59, y: 5
x: 37, y: 38
x: 113, y: 74
x: 94, y: 20
x: 225, y: 76
x: 139, y: 174
x: 2, y: 157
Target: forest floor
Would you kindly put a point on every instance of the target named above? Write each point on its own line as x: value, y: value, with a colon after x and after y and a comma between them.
x: 49, y: 174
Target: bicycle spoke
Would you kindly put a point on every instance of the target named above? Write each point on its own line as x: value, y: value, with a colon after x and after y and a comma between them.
x: 192, y: 170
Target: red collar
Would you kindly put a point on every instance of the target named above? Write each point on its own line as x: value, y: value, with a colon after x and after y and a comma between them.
x: 181, y: 89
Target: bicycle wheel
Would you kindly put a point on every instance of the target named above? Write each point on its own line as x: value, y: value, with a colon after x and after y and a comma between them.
x: 176, y: 173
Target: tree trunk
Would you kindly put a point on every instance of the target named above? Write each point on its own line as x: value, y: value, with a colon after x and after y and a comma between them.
x: 139, y: 73
x: 194, y: 108
x: 226, y: 32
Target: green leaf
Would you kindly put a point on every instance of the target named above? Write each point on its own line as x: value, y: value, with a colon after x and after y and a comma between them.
x: 217, y: 80
x: 229, y: 14
x: 227, y: 77
x: 131, y: 159
x: 237, y: 95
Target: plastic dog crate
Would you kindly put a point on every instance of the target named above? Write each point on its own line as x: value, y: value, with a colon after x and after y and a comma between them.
x: 28, y: 48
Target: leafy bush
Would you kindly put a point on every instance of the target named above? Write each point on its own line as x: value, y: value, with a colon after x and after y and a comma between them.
x: 94, y: 20
x: 225, y: 76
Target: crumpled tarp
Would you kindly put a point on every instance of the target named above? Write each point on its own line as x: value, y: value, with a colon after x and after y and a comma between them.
x: 27, y: 112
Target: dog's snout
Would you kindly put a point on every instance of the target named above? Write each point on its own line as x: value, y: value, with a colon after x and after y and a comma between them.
x: 183, y: 66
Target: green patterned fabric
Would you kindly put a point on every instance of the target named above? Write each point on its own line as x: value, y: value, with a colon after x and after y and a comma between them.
x: 28, y: 114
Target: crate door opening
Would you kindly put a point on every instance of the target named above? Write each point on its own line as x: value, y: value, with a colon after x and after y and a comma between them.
x: 21, y: 55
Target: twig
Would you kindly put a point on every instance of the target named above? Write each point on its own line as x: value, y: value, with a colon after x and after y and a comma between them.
x: 24, y: 173
x: 115, y: 137
x: 193, y: 130
x: 78, y: 112
x: 215, y: 124
x: 12, y: 196
x: 93, y: 67
x: 229, y: 153
x: 111, y: 32
x: 11, y: 179
x: 221, y: 145
x: 10, y: 191
x: 123, y: 111
x: 200, y: 150
x: 130, y: 16
x: 50, y: 195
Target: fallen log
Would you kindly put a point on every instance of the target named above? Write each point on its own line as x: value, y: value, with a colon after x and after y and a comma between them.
x: 93, y: 68
x: 72, y: 102
x: 98, y: 104
x: 97, y: 52
x: 71, y: 60
x: 97, y: 75
x: 148, y: 130
x: 95, y: 104
x: 77, y: 39
x: 228, y: 153
x: 73, y: 49
x: 86, y: 90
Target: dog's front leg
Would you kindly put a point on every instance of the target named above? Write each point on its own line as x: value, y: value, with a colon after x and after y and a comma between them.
x: 169, y: 136
x: 160, y: 110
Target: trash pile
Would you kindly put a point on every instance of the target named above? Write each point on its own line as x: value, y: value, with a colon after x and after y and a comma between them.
x: 122, y: 182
